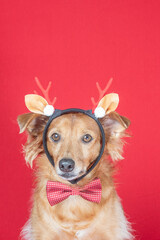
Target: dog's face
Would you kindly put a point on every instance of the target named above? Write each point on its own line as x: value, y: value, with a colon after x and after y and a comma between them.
x: 73, y: 141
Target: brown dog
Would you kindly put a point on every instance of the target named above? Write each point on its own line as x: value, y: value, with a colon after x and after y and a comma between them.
x: 77, y: 137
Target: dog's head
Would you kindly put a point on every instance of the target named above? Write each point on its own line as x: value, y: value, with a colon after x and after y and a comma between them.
x: 74, y: 139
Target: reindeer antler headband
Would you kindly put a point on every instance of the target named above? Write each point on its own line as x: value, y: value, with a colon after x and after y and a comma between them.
x: 102, y: 107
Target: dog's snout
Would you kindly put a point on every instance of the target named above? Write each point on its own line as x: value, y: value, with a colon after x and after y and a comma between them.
x: 66, y: 165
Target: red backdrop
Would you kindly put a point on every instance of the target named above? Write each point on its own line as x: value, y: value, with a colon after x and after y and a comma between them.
x: 74, y: 44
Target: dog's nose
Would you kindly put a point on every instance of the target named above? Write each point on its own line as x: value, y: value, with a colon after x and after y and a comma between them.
x: 66, y: 165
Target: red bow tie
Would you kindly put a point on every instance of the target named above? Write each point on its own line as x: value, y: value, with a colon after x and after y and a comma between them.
x: 57, y: 192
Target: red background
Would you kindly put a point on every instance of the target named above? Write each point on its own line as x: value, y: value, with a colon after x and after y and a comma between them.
x: 75, y: 43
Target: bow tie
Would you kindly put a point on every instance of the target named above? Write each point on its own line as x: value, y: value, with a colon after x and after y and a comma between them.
x: 57, y: 192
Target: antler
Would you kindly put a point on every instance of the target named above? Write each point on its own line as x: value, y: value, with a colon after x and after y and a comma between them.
x: 45, y: 91
x: 101, y: 93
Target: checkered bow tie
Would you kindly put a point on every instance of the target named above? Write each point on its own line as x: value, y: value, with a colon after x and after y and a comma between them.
x: 57, y: 192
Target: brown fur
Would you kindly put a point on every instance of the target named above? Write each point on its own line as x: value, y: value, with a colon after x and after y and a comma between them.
x: 75, y: 218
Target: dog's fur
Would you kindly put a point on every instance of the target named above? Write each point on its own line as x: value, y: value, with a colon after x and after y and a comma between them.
x: 75, y: 218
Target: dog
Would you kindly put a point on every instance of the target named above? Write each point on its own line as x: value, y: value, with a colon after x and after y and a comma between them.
x: 74, y: 141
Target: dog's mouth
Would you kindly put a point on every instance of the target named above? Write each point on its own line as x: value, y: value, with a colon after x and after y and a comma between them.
x: 68, y: 176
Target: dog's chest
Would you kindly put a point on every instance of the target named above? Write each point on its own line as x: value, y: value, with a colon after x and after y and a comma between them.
x: 75, y: 210
x: 75, y: 215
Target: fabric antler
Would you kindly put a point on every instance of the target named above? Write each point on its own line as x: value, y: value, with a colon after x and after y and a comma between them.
x: 45, y: 91
x: 101, y: 93
x: 105, y: 104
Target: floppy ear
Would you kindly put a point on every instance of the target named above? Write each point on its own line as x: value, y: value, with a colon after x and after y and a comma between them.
x: 115, y: 123
x: 114, y: 126
x: 34, y: 125
x: 24, y: 120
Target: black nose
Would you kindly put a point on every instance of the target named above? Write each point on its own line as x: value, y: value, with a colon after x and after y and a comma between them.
x: 66, y: 165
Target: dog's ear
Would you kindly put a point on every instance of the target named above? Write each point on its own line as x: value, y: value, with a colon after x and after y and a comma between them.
x: 114, y: 126
x: 34, y: 125
x: 24, y: 120
x: 115, y: 123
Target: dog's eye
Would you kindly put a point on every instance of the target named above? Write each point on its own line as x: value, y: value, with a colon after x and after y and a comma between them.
x: 87, y: 138
x: 55, y: 137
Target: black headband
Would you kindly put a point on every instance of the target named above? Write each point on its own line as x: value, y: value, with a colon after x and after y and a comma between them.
x: 58, y: 113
